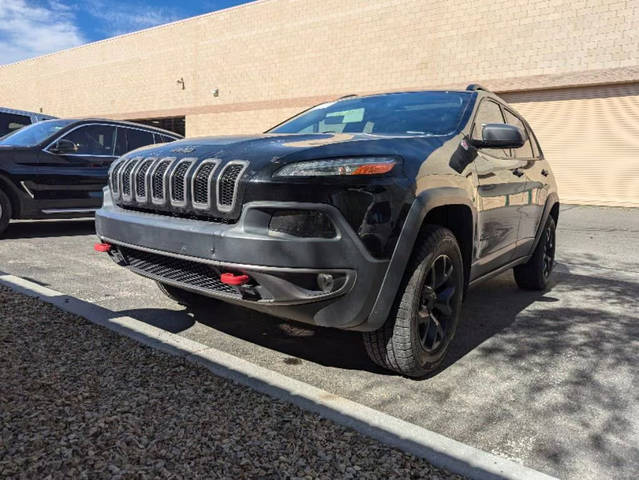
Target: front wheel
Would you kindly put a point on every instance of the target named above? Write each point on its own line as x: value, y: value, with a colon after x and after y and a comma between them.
x: 415, y: 338
x: 535, y: 274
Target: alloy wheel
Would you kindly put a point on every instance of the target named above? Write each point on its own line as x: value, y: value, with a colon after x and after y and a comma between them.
x: 435, y: 312
x: 549, y: 252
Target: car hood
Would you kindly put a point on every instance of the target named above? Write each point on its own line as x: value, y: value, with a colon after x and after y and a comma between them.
x: 271, y: 151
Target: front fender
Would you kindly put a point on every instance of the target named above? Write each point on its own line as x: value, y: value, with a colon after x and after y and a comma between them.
x: 423, y: 203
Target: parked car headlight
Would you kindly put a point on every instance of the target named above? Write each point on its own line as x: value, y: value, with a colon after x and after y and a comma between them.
x: 338, y: 167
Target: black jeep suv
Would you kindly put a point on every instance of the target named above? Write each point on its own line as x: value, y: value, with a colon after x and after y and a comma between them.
x: 57, y: 168
x: 369, y: 213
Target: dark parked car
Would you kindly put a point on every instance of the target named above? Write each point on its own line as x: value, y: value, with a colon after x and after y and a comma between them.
x: 369, y: 213
x: 57, y: 168
x: 11, y: 120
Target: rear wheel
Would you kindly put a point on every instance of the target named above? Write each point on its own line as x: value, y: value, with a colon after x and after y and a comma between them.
x: 534, y: 274
x: 5, y: 211
x: 415, y: 338
x: 181, y: 296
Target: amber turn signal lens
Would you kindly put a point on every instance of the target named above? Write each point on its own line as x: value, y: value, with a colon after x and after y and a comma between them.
x: 373, y: 169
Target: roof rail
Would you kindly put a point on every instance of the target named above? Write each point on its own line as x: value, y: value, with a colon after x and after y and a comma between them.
x: 348, y: 96
x: 473, y: 87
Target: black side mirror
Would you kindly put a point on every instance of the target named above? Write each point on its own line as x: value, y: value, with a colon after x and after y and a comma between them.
x: 64, y: 147
x: 500, y: 135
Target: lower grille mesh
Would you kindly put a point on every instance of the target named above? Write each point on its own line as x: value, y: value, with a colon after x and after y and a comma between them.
x: 185, y: 272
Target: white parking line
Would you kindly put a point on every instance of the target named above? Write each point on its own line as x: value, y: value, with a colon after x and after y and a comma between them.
x: 437, y: 449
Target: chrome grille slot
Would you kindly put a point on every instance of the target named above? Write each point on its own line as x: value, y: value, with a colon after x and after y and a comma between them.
x: 140, y: 179
x: 227, y: 185
x: 157, y: 180
x: 178, y: 182
x: 201, y: 184
x: 126, y: 178
x: 115, y: 184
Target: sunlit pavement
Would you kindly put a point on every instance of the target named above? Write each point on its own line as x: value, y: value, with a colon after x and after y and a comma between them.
x: 545, y: 379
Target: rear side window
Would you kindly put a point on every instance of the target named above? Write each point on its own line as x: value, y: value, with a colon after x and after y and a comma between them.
x: 526, y: 150
x: 163, y: 138
x: 138, y: 138
x: 10, y: 122
x: 93, y: 140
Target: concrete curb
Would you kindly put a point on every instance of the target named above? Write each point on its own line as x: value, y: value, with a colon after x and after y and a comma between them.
x: 437, y: 449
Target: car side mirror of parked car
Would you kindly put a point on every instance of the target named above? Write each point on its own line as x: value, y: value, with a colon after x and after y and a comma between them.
x: 63, y: 147
x: 500, y: 135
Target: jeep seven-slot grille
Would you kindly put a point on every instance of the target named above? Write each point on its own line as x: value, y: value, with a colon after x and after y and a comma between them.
x: 201, y: 185
x: 176, y: 270
x: 226, y: 188
x: 183, y: 187
x: 157, y: 186
x: 178, y: 182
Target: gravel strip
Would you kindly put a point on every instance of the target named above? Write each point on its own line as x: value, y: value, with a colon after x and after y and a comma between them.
x: 80, y: 401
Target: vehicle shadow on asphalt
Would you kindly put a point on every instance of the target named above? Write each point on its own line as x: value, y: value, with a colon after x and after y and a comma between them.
x: 49, y: 228
x: 342, y: 349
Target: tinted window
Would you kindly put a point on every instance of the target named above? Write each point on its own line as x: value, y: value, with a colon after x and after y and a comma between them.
x: 10, y: 122
x: 526, y: 150
x: 35, y: 134
x: 163, y: 138
x: 138, y: 138
x: 489, y: 112
x: 93, y: 139
x: 120, y: 141
x: 419, y: 113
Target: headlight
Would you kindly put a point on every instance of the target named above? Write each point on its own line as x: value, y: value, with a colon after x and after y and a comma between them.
x: 338, y: 166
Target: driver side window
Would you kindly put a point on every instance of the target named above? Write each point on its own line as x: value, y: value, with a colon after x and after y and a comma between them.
x: 488, y: 112
x: 93, y: 140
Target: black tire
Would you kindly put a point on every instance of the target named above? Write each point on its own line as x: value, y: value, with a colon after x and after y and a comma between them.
x: 5, y: 211
x: 183, y: 297
x: 535, y: 274
x: 406, y: 343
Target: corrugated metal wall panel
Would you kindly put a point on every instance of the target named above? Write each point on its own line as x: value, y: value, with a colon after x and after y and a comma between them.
x: 590, y: 135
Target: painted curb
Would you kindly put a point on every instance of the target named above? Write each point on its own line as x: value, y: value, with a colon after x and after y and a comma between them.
x: 437, y: 449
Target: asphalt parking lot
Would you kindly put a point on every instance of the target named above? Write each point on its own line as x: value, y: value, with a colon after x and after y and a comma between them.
x: 549, y: 380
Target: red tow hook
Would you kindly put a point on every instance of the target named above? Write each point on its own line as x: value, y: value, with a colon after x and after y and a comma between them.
x: 102, y: 247
x: 233, y: 279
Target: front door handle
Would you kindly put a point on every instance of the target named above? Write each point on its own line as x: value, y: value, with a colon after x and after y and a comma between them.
x: 544, y: 172
x: 518, y: 172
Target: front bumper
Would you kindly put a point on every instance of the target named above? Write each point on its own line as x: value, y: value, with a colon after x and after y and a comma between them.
x: 191, y: 254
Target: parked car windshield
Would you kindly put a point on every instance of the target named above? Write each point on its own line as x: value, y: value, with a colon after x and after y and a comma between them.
x: 415, y: 113
x: 34, y: 134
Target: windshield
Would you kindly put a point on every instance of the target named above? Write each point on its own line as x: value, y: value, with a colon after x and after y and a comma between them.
x: 34, y: 134
x: 419, y: 113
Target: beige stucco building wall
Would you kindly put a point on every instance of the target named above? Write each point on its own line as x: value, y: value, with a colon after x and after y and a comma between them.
x: 271, y: 58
